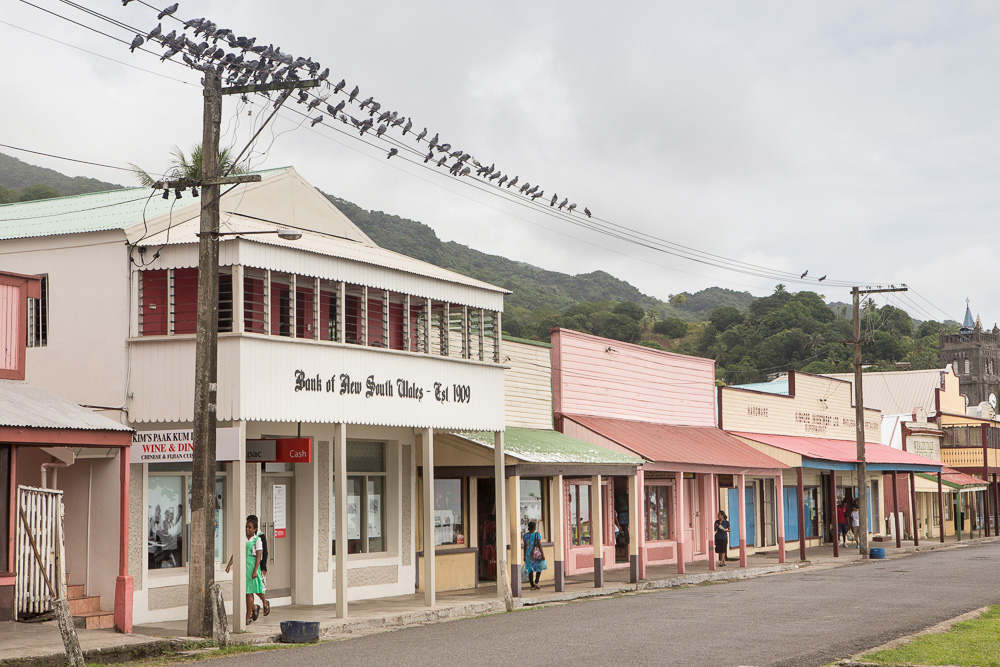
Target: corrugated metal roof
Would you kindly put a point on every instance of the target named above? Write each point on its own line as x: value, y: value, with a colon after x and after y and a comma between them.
x: 897, y: 392
x: 698, y: 445
x: 547, y: 446
x: 956, y: 479
x: 22, y: 405
x: 93, y: 212
x: 844, y: 451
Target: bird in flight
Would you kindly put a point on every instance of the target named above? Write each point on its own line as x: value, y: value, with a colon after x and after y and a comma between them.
x: 806, y: 273
x: 821, y: 278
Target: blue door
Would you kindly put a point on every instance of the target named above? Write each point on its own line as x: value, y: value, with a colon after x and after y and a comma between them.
x: 734, y: 517
x: 791, y: 501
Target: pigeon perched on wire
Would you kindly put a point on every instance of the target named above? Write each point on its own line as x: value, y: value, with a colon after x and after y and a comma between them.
x: 465, y: 171
x: 334, y: 110
x: 821, y: 278
x: 422, y: 135
x: 137, y: 41
x: 442, y: 161
x: 406, y: 128
x: 125, y: 2
x: 366, y: 102
x: 155, y: 32
x: 392, y: 151
x: 169, y: 54
x: 354, y: 95
x: 315, y: 103
x: 428, y: 157
x: 373, y: 109
x: 381, y: 130
x: 167, y: 12
x: 563, y: 203
x: 512, y: 182
x: 571, y: 208
x: 433, y: 142
x: 340, y: 86
x: 501, y: 181
x: 399, y: 121
x: 316, y: 120
x: 537, y: 194
x: 586, y: 211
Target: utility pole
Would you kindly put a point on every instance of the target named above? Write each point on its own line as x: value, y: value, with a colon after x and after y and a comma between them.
x: 859, y: 416
x: 201, y: 548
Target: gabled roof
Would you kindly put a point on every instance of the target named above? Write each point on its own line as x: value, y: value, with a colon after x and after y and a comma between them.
x: 665, y: 443
x: 897, y: 392
x: 533, y: 445
x: 24, y: 406
x: 93, y: 212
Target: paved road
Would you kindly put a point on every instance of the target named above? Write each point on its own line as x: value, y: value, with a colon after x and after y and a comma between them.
x: 802, y: 618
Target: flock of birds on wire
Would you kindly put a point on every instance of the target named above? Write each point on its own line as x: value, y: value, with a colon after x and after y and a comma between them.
x: 251, y: 63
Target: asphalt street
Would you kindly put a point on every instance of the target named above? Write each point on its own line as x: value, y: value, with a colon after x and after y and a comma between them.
x: 808, y: 617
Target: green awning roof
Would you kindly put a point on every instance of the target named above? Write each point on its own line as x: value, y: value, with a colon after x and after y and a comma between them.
x: 535, y: 445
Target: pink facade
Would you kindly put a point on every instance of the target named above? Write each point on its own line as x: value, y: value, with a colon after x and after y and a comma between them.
x: 607, y: 378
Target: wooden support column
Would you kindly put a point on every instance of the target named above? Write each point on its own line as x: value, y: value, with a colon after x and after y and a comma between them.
x: 958, y: 513
x: 986, y: 475
x: 742, y: 504
x: 558, y: 531
x: 940, y: 508
x: 597, y: 529
x: 473, y: 542
x: 680, y: 522
x: 913, y: 512
x: 514, y: 532
x: 500, y: 501
x: 895, y: 510
x: 340, y: 512
x: 124, y: 586
x: 236, y: 528
x: 429, y: 569
x: 833, y: 512
x: 709, y: 518
x: 779, y: 503
x: 801, y: 509
x: 996, y: 503
x: 641, y: 524
x: 634, y: 523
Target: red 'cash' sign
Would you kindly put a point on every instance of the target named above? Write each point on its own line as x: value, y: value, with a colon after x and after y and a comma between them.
x: 281, y: 450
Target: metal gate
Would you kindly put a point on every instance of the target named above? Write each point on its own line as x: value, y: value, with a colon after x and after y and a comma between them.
x: 39, y: 513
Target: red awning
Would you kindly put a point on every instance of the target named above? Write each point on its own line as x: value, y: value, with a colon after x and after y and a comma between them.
x: 845, y: 451
x: 691, y: 445
x: 960, y: 478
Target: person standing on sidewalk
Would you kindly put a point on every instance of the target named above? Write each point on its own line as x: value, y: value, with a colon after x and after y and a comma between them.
x: 722, y: 537
x: 534, y: 557
x: 842, y: 522
x: 856, y: 524
x: 255, y: 582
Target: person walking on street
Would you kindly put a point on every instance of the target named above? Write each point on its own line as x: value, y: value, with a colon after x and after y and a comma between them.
x: 534, y: 557
x: 254, y: 550
x: 722, y: 537
x: 842, y: 522
x: 856, y: 525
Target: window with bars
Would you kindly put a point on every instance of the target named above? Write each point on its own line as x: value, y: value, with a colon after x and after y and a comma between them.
x: 254, y: 300
x: 38, y: 317
x: 490, y: 333
x: 281, y: 304
x: 439, y: 328
x: 328, y: 318
x: 353, y: 320
x: 305, y: 307
x: 225, y: 317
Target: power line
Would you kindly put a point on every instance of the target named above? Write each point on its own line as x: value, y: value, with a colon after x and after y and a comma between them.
x: 81, y: 210
x: 68, y: 159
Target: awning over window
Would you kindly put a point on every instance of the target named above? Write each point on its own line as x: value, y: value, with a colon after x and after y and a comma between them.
x: 842, y: 454
x: 533, y: 445
x: 683, y: 448
x: 953, y: 479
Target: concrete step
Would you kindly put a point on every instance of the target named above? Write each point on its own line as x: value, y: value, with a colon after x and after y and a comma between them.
x: 85, y: 604
x: 94, y: 620
x: 74, y: 591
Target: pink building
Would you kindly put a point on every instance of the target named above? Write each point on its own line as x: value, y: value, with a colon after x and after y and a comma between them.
x: 661, y: 407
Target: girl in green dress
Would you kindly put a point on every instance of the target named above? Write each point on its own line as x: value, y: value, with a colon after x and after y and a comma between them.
x: 255, y: 583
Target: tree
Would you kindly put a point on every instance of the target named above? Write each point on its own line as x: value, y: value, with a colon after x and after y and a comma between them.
x: 725, y: 317
x: 33, y: 192
x: 929, y: 328
x: 651, y: 343
x: 184, y: 166
x: 629, y: 309
x: 614, y: 325
x: 671, y: 327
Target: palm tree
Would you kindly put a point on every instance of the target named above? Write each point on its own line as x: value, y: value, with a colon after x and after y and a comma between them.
x: 183, y: 166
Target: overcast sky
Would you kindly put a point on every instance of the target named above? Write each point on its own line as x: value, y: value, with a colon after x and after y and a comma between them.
x: 841, y: 138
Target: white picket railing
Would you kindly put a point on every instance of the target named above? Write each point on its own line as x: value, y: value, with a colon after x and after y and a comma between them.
x: 42, y: 509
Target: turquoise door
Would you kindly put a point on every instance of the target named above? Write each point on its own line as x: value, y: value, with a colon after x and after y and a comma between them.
x: 734, y: 517
x: 791, y: 502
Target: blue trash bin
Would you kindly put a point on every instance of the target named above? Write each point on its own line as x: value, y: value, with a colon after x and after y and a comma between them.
x: 877, y: 553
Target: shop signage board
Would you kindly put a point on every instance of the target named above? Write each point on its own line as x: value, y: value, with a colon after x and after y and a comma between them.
x: 177, y: 446
x: 332, y: 384
x: 280, y: 450
x: 278, y: 509
x: 927, y: 447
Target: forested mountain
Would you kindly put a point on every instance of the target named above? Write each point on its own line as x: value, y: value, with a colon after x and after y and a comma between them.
x: 749, y: 337
x: 20, y: 181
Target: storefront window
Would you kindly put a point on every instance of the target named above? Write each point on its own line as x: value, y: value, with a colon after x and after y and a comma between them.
x: 449, y: 527
x: 658, y: 512
x: 366, y: 519
x: 533, y: 505
x: 169, y: 516
x: 579, y: 514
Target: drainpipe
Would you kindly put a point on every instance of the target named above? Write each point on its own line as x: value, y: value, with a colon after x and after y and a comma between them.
x: 54, y: 465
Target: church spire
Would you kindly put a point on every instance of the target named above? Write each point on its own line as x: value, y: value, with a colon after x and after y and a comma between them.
x: 968, y: 323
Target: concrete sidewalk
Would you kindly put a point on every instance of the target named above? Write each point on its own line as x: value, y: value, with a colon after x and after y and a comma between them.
x: 40, y: 643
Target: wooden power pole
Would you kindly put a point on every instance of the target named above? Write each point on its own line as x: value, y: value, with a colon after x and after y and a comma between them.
x: 859, y: 416
x: 201, y: 549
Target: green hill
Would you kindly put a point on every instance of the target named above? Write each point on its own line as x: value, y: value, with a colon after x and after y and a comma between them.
x: 20, y: 181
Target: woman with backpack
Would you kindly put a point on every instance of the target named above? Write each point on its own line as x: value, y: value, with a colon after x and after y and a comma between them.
x: 534, y: 557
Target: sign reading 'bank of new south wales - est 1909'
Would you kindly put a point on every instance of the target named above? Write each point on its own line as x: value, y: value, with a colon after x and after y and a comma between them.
x: 344, y: 384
